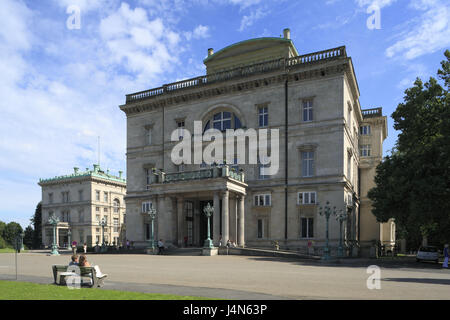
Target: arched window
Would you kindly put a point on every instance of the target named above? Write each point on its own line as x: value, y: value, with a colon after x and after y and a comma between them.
x: 116, y: 205
x: 222, y: 121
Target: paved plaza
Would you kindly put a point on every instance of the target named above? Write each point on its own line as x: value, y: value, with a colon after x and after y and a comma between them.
x: 242, y: 277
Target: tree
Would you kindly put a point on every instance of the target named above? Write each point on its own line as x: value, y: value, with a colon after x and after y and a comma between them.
x: 28, y: 237
x: 10, y: 233
x: 36, y: 220
x: 413, y: 183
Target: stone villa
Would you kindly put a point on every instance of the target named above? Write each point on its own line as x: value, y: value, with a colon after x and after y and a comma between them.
x: 80, y: 201
x: 329, y: 148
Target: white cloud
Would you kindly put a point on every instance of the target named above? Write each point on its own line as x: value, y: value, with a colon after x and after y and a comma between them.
x: 430, y: 33
x: 249, y: 20
x: 378, y: 3
x: 201, y: 32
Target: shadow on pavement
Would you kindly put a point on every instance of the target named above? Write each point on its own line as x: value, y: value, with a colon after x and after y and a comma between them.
x: 420, y: 280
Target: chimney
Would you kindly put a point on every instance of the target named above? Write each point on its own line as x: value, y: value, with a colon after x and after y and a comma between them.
x: 210, y: 52
x: 75, y: 170
x: 287, y: 33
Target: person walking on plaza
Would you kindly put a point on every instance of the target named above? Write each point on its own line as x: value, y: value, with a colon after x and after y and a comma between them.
x: 85, y: 247
x: 445, y: 264
x: 160, y: 247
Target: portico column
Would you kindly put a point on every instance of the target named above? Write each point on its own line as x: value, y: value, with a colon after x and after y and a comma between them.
x: 225, y: 217
x: 180, y: 218
x: 170, y: 225
x: 241, y: 224
x: 161, y: 219
x: 216, y: 219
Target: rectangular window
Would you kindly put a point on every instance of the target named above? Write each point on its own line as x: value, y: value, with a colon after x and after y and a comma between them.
x: 97, y: 195
x: 364, y: 130
x: 308, y: 110
x: 97, y: 209
x: 349, y: 167
x: 116, y: 225
x: 309, y: 197
x: 97, y: 217
x: 307, y: 227
x: 148, y: 136
x: 65, y: 196
x: 181, y: 168
x: 262, y: 200
x: 263, y: 113
x: 80, y: 216
x: 105, y: 209
x: 81, y: 232
x: 105, y: 196
x: 364, y: 150
x: 307, y: 163
x: 80, y: 195
x: 263, y: 229
x: 146, y: 206
x: 50, y: 198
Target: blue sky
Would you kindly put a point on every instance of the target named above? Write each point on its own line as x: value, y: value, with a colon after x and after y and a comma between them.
x: 60, y: 88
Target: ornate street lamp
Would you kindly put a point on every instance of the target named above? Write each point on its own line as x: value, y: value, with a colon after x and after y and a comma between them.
x: 152, y: 215
x: 102, y: 224
x: 327, y: 211
x: 341, y: 217
x: 69, y: 239
x: 53, y: 220
x: 208, y: 210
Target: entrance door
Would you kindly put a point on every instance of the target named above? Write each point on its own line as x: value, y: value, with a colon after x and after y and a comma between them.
x: 204, y: 223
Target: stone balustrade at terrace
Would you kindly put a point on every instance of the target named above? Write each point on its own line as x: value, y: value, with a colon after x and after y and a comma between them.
x: 374, y: 112
x: 241, y: 72
x: 216, y: 172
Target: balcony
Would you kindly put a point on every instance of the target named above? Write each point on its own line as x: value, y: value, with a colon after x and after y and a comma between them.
x: 216, y: 172
x: 370, y: 113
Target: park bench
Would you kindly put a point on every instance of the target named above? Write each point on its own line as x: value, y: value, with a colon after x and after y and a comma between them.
x: 60, y: 273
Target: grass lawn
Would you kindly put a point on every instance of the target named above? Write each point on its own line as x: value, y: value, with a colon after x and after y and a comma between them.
x: 13, y: 290
x: 7, y: 250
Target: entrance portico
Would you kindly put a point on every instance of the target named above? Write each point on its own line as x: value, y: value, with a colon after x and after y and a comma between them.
x: 181, y: 197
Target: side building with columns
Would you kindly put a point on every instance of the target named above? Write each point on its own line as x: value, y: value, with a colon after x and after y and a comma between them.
x: 80, y: 201
x: 328, y: 150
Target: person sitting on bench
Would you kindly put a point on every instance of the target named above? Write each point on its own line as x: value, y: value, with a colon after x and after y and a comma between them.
x: 74, y: 261
x: 84, y: 263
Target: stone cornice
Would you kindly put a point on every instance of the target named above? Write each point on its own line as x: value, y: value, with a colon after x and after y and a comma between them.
x: 229, y: 87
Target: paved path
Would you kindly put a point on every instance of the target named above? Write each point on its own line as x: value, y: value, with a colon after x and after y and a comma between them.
x: 240, y: 277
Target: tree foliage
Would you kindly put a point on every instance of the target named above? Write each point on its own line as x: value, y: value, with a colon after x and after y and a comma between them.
x: 36, y: 220
x: 10, y: 233
x: 413, y: 183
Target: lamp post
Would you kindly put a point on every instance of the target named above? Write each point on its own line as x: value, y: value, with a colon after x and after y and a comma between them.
x: 152, y: 214
x: 327, y: 211
x: 208, y: 210
x: 341, y: 217
x: 102, y: 224
x: 53, y: 220
x: 69, y: 239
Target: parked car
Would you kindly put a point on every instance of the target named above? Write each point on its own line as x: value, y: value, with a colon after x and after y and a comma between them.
x: 428, y: 253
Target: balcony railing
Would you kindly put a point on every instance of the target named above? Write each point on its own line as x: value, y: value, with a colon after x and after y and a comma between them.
x: 263, y: 67
x: 216, y: 172
x: 375, y: 112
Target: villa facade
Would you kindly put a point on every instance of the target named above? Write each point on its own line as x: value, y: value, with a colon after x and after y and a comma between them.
x: 80, y: 201
x: 329, y: 148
